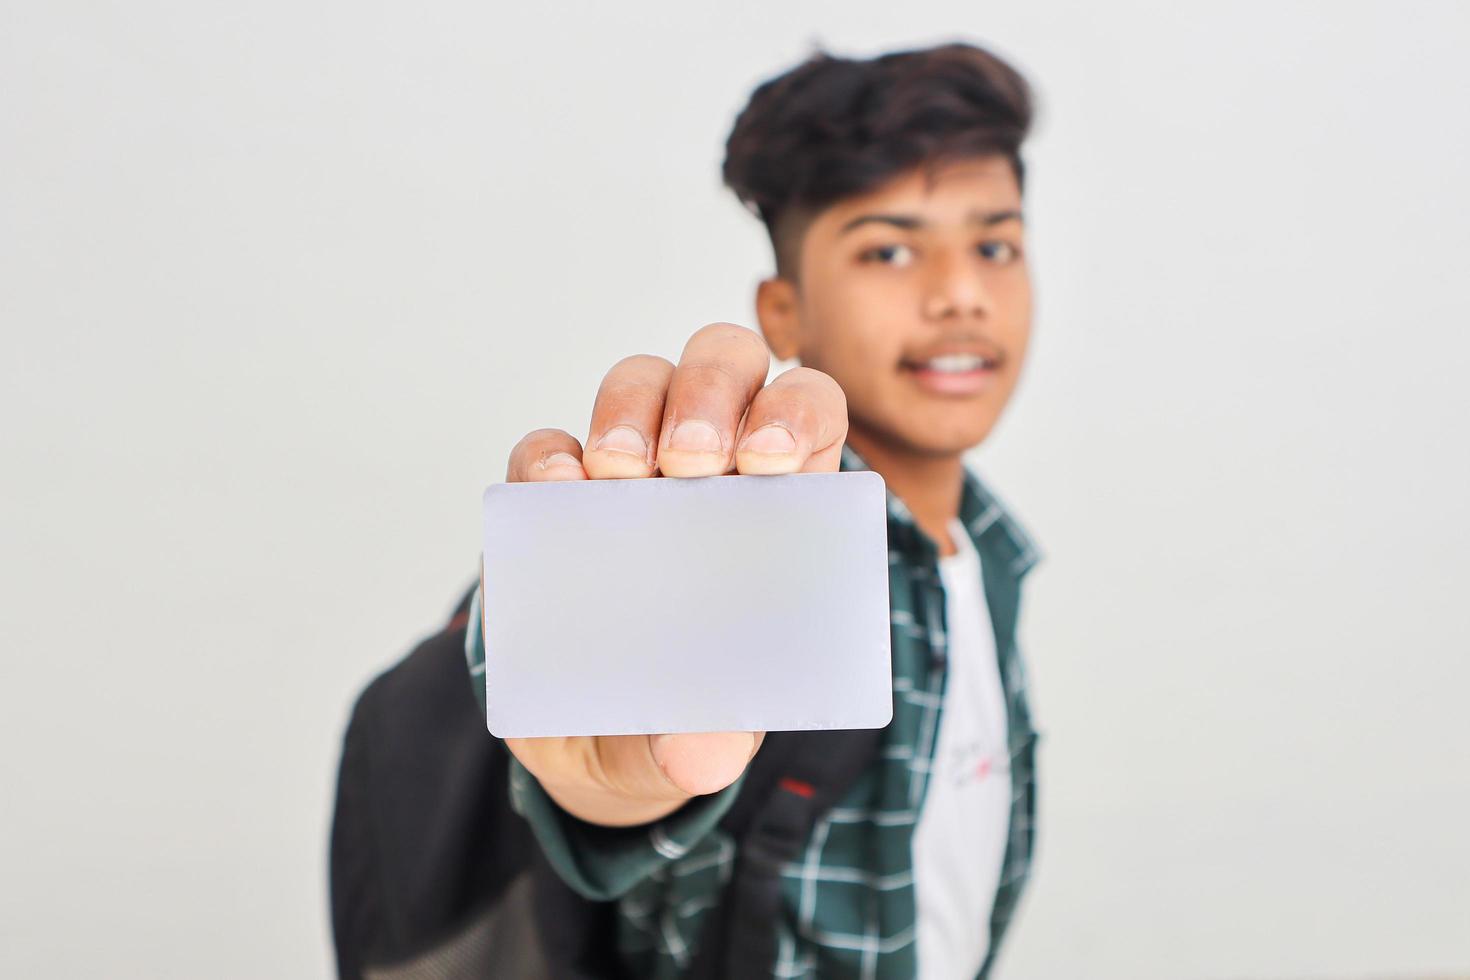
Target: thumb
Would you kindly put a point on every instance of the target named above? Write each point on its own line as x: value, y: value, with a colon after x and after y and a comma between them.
x: 704, y: 762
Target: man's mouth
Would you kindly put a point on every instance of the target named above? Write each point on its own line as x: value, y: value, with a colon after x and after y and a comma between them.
x: 953, y: 374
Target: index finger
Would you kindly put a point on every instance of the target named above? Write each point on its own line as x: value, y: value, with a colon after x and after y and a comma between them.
x: 796, y: 424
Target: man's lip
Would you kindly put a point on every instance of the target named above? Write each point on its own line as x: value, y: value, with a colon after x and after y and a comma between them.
x: 994, y: 356
x: 955, y: 384
x: 992, y: 359
x: 952, y: 382
x: 991, y: 363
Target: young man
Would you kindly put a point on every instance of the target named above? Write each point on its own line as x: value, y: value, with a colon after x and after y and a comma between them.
x: 891, y: 189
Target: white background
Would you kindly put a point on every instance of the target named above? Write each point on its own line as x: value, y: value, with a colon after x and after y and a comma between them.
x: 281, y: 283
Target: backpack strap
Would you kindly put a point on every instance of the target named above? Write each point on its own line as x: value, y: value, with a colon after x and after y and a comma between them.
x: 794, y: 779
x: 460, y: 618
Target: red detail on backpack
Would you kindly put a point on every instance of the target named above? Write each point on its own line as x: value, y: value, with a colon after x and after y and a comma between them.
x: 797, y: 786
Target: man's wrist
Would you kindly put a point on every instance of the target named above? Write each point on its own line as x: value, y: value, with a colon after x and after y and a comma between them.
x: 603, y: 863
x: 607, y: 808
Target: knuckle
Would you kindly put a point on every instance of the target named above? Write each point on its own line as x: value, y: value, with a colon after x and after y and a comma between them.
x: 820, y: 380
x: 618, y: 388
x: 536, y: 440
x: 538, y: 443
x: 642, y: 364
x: 811, y: 401
x: 709, y: 375
x: 639, y: 378
x: 730, y: 333
x: 815, y: 388
x: 831, y: 389
x: 805, y: 416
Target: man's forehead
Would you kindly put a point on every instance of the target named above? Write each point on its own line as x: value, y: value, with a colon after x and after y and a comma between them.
x: 951, y: 194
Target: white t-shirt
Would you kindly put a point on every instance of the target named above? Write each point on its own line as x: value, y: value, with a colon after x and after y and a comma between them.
x: 960, y: 840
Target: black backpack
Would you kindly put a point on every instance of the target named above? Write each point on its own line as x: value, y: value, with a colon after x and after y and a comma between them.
x: 434, y: 876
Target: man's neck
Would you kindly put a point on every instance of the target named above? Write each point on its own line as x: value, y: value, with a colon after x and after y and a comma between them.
x: 929, y: 486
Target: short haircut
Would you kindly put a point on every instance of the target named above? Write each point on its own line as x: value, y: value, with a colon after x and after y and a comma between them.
x: 832, y: 128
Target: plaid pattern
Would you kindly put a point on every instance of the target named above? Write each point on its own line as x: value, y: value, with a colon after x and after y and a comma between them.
x: 849, y: 899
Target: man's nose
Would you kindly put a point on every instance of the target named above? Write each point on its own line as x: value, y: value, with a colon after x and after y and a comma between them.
x: 956, y: 288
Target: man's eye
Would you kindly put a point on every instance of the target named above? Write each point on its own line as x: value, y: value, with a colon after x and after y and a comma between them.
x: 897, y: 255
x: 999, y: 252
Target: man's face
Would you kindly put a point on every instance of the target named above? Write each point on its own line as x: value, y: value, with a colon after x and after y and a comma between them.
x: 917, y: 300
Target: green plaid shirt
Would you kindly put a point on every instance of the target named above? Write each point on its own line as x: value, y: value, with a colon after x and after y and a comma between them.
x: 849, y: 902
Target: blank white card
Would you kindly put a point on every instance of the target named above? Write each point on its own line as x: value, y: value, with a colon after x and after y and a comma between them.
x: 726, y: 603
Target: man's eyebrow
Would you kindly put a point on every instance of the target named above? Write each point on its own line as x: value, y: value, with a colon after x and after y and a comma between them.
x: 905, y: 221
x: 910, y: 222
x: 988, y: 218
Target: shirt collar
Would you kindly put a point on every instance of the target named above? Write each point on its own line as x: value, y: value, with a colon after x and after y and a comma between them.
x: 990, y: 524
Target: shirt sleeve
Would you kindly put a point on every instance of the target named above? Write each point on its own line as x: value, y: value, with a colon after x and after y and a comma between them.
x: 599, y: 863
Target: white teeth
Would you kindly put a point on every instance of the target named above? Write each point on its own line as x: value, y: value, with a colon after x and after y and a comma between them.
x: 956, y: 363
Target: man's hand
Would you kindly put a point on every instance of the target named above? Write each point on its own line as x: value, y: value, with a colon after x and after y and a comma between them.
x: 711, y: 414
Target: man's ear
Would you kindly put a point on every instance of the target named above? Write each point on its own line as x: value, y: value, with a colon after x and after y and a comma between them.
x: 776, y: 307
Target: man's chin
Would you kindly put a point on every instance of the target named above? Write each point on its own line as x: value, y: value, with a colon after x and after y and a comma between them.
x: 934, y: 441
x: 938, y: 435
x: 947, y: 449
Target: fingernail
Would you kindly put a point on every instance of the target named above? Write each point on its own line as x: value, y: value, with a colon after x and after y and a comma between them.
x: 560, y: 459
x: 695, y: 436
x: 773, y: 438
x: 623, y: 439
